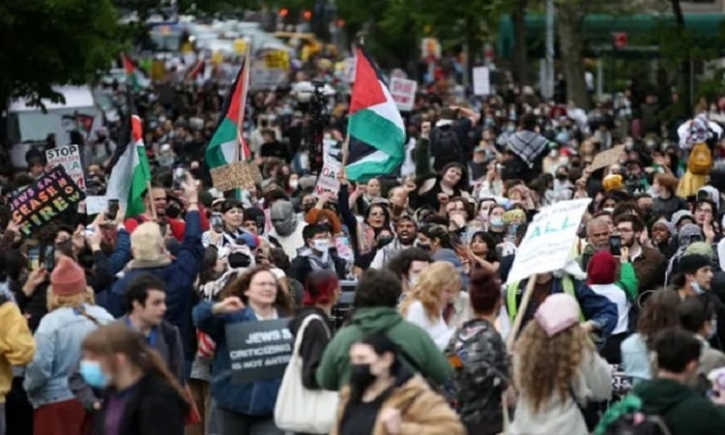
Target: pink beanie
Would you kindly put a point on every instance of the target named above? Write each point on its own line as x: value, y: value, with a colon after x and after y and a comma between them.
x: 67, y: 278
x: 558, y: 313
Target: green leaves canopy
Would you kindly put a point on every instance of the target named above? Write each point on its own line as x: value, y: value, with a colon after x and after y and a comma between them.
x: 47, y: 42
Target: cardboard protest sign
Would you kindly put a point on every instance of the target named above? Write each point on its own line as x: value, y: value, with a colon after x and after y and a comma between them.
x: 403, y: 93
x: 606, y: 158
x: 70, y: 157
x: 235, y: 174
x: 547, y: 245
x: 481, y: 81
x: 259, y: 351
x: 52, y: 194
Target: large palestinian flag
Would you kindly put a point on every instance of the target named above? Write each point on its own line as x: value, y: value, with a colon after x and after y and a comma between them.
x: 228, y: 135
x: 375, y: 127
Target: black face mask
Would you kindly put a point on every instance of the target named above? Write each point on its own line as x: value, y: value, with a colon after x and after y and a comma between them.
x: 561, y: 177
x: 361, y: 377
x: 173, y: 211
x: 307, y: 207
x: 238, y: 260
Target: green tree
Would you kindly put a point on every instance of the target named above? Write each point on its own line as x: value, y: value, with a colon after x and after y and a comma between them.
x: 50, y: 42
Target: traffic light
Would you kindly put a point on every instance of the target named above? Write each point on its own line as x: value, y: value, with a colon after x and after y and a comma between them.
x: 620, y: 39
x: 283, y: 12
x: 307, y: 15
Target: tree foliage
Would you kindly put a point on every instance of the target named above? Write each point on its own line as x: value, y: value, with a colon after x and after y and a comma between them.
x: 49, y: 42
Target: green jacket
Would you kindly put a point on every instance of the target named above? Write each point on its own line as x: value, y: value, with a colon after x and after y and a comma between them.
x: 415, y: 344
x: 684, y: 410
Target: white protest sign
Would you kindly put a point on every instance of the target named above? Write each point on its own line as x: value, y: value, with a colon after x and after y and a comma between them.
x: 70, y: 157
x: 96, y: 204
x: 481, y: 81
x: 262, y: 78
x: 328, y: 180
x: 348, y: 69
x: 549, y: 240
x: 403, y: 93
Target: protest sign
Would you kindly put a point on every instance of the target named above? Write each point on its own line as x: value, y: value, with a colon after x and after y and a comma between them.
x: 96, y: 204
x: 259, y: 351
x: 70, y: 157
x: 262, y: 78
x: 549, y: 240
x: 50, y: 195
x: 403, y: 93
x: 481, y: 81
x: 348, y: 69
x: 277, y: 59
x: 606, y: 158
x: 329, y: 181
x: 235, y: 174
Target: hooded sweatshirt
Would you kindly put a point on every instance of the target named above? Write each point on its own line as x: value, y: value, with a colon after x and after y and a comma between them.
x: 417, y: 349
x: 684, y: 411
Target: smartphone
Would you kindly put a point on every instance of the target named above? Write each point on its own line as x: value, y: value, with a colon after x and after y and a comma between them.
x: 179, y: 177
x: 615, y: 245
x: 112, y: 210
x: 216, y: 222
x: 695, y: 238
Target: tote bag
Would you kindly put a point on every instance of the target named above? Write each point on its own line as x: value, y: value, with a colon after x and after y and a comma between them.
x: 299, y: 409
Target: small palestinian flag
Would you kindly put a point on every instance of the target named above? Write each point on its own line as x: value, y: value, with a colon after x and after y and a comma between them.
x: 376, y: 129
x: 135, y: 77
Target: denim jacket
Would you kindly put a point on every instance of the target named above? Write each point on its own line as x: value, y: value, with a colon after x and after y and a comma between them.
x: 58, y: 350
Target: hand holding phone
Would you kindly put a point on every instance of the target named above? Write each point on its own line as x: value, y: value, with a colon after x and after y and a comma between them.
x: 615, y: 245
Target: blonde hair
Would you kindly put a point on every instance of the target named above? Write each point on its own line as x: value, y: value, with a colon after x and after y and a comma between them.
x: 75, y: 301
x: 147, y: 243
x: 429, y: 288
x: 547, y: 365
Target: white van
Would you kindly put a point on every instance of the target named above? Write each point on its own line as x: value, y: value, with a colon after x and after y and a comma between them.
x: 29, y: 125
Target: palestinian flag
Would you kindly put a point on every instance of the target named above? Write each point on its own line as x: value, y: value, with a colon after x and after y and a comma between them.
x: 375, y: 127
x: 130, y: 171
x: 222, y: 148
x: 134, y: 74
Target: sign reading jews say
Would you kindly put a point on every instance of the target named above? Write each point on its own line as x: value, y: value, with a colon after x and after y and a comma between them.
x: 259, y: 351
x: 50, y: 195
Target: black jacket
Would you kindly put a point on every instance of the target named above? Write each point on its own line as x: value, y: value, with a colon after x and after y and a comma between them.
x: 154, y: 408
x: 314, y: 342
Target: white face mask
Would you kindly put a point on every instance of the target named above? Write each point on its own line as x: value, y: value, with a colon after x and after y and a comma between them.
x: 321, y: 245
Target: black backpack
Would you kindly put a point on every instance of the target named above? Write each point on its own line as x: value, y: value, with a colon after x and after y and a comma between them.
x: 446, y: 147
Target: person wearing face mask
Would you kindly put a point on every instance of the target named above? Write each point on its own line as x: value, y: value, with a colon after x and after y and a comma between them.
x: 230, y: 230
x: 698, y: 318
x: 408, y: 265
x: 317, y: 254
x: 286, y: 229
x: 140, y: 396
x: 384, y: 398
x: 496, y: 225
x: 694, y: 280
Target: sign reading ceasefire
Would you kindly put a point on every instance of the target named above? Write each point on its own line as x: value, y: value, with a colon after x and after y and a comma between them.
x: 40, y: 203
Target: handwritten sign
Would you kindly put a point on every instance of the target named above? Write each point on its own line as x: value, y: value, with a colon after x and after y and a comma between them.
x: 52, y: 194
x: 235, y: 174
x: 606, y: 158
x: 70, y: 157
x: 259, y: 351
x: 329, y: 181
x: 550, y: 236
x: 403, y: 93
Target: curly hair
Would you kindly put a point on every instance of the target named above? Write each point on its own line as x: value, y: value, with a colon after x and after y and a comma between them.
x: 429, y: 288
x: 549, y: 364
x: 283, y: 301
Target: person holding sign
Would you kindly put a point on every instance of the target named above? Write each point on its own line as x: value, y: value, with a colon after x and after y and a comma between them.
x: 246, y: 346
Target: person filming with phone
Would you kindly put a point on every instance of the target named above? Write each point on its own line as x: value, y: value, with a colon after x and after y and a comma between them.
x: 226, y: 227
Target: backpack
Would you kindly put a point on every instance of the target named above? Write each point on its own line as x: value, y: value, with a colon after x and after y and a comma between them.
x: 446, y: 147
x: 628, y: 418
x: 700, y: 160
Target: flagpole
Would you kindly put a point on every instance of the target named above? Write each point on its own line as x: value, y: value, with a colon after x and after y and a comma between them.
x: 151, y: 201
x: 242, y: 106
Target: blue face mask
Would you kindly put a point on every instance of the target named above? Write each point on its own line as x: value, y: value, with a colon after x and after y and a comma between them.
x: 496, y: 221
x: 696, y: 288
x: 93, y: 374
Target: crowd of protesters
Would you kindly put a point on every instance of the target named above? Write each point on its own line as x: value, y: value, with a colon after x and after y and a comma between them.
x: 117, y: 325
